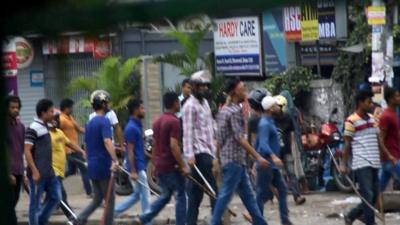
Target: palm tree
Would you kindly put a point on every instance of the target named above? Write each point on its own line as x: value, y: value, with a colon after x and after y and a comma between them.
x: 190, y: 60
x: 120, y: 79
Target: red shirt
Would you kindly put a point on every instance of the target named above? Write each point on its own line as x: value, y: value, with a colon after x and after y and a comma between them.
x: 167, y: 126
x: 389, y: 122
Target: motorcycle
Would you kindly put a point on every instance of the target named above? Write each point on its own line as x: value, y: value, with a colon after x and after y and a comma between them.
x: 318, y: 160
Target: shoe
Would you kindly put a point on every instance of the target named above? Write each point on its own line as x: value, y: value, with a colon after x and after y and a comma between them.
x: 136, y: 220
x: 300, y: 200
x: 348, y: 221
x: 287, y: 223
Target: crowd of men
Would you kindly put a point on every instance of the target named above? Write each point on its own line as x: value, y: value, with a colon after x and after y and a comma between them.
x: 188, y: 143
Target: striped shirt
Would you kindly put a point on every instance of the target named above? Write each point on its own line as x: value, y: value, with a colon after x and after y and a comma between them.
x: 198, y: 128
x: 364, y: 134
x: 231, y: 128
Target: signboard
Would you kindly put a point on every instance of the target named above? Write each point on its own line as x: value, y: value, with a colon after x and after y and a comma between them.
x: 36, y: 77
x: 9, y: 58
x: 237, y: 46
x: 309, y: 22
x: 274, y: 42
x: 76, y: 44
x: 25, y: 53
x: 326, y: 19
x: 11, y: 86
x: 292, y: 23
x: 376, y: 15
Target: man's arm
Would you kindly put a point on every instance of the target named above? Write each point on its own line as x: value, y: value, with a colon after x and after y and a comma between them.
x: 264, y: 132
x: 110, y: 149
x: 251, y: 151
x: 188, y: 116
x: 79, y: 128
x: 31, y: 162
x: 381, y: 137
x: 118, y: 134
x: 176, y: 152
x: 131, y: 160
x: 346, y: 153
x: 76, y: 148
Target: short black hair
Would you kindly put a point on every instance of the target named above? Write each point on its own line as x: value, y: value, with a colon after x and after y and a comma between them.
x: 15, y: 99
x: 389, y: 93
x: 169, y: 99
x: 230, y: 84
x: 363, y: 95
x: 134, y: 104
x: 185, y: 81
x: 43, y: 106
x: 66, y: 103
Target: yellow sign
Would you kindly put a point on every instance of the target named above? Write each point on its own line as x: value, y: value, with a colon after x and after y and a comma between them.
x: 376, y: 15
x: 309, y: 23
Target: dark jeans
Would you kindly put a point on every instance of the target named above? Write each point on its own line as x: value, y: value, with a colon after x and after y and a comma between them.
x: 293, y: 182
x: 75, y: 161
x: 16, y: 190
x: 100, y: 193
x: 39, y: 214
x: 204, y: 163
x: 169, y: 183
x: 236, y: 179
x: 368, y: 182
x: 266, y: 178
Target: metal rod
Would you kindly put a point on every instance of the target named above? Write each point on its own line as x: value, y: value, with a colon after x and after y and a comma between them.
x: 68, y: 209
x: 377, y: 213
x: 141, y: 183
x: 205, y: 180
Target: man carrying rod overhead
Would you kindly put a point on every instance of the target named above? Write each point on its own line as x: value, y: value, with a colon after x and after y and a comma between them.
x: 101, y: 158
x: 232, y: 148
x: 198, y: 141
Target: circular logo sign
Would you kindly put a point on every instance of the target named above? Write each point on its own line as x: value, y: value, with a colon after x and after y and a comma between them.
x: 24, y: 51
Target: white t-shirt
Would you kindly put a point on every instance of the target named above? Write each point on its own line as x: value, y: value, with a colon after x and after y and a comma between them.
x: 110, y: 115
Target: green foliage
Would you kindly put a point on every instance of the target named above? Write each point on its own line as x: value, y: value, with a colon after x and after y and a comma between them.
x: 296, y: 80
x: 120, y: 79
x: 350, y: 68
x: 190, y: 60
x: 396, y: 38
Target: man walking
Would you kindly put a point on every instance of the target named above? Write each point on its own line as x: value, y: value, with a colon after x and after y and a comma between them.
x: 101, y: 158
x: 232, y: 147
x: 71, y: 128
x: 41, y: 175
x: 135, y: 159
x: 15, y: 147
x: 389, y: 126
x: 267, y: 144
x: 169, y: 165
x: 287, y: 141
x: 361, y: 138
x: 198, y: 141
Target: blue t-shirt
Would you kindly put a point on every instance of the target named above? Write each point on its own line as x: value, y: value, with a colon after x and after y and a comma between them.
x: 99, y: 160
x: 267, y: 141
x: 133, y: 135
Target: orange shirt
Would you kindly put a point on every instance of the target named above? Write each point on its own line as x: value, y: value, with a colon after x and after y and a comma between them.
x: 69, y: 126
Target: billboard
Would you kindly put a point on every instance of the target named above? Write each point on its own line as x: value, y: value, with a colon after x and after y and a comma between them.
x: 237, y: 45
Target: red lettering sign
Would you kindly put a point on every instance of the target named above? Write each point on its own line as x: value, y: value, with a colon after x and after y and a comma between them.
x: 292, y: 23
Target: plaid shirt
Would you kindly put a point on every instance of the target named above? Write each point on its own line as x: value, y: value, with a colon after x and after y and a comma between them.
x: 198, y: 128
x: 231, y: 128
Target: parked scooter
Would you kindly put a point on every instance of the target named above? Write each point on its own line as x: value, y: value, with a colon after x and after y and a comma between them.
x: 316, y: 147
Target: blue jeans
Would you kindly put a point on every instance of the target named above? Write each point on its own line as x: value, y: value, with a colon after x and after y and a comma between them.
x: 74, y: 162
x: 236, y: 179
x: 266, y: 178
x: 367, y: 179
x: 169, y: 183
x: 140, y: 192
x: 388, y: 171
x: 39, y: 213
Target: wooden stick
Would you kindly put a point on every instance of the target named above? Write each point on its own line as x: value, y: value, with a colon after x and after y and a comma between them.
x: 107, y: 200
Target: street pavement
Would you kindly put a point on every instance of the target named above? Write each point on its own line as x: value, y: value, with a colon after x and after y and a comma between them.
x: 324, y: 208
